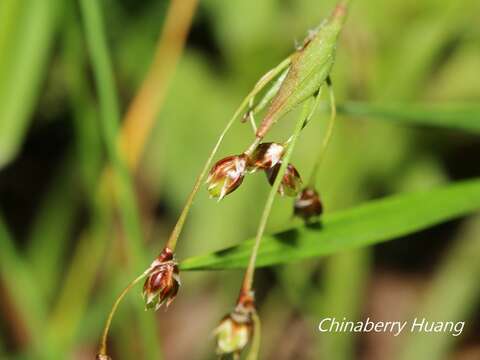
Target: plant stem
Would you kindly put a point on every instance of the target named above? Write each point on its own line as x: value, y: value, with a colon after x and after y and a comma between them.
x: 307, y: 113
x: 257, y: 336
x: 103, y: 344
x: 264, y: 80
x: 326, y: 139
x: 141, y: 113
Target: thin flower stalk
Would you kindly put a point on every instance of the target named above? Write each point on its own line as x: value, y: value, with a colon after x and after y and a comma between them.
x: 103, y: 344
x: 308, y: 204
x: 309, y: 109
x: 237, y: 328
x: 327, y: 137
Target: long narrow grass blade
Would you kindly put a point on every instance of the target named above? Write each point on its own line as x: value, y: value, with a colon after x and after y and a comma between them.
x: 365, y: 225
x: 464, y: 117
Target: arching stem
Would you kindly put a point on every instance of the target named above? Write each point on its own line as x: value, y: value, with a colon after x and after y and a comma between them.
x: 328, y: 136
x: 103, y: 344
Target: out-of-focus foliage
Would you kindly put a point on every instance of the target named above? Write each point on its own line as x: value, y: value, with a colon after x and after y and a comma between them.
x: 55, y: 232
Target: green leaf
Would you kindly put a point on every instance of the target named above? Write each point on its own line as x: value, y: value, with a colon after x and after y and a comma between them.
x: 309, y: 69
x: 368, y: 224
x: 455, y: 116
x: 24, y: 51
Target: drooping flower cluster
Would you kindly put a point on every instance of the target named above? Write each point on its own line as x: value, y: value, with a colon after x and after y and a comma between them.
x: 228, y: 173
x: 236, y: 329
x: 163, y: 281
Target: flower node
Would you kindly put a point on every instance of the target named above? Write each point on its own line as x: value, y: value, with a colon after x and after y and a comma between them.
x: 226, y: 175
x: 266, y: 155
x: 163, y: 281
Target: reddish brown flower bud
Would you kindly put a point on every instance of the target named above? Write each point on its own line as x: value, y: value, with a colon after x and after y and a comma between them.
x: 163, y: 281
x: 266, y: 155
x: 291, y: 182
x: 226, y: 175
x: 236, y: 329
x: 308, y: 204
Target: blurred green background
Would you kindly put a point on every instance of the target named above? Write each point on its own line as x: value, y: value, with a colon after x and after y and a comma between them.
x: 64, y: 255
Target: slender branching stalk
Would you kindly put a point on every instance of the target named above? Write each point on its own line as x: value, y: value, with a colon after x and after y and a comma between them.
x: 327, y: 137
x: 309, y: 109
x: 103, y: 343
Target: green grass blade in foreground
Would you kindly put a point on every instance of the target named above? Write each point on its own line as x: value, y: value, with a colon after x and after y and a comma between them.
x: 367, y: 224
x: 454, y: 116
x: 24, y: 56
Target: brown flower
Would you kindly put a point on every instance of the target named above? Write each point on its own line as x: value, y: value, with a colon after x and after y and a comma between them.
x: 266, y: 155
x: 291, y: 181
x: 163, y: 281
x: 236, y: 329
x: 226, y: 175
x: 308, y: 204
